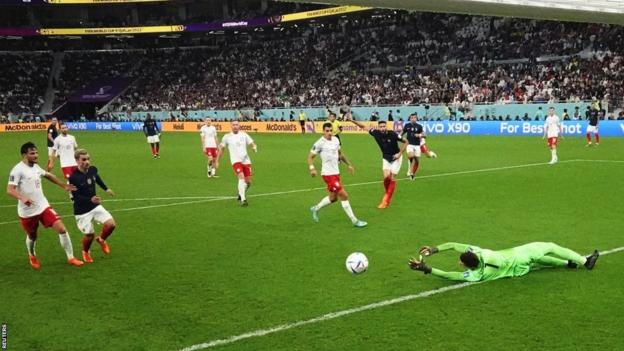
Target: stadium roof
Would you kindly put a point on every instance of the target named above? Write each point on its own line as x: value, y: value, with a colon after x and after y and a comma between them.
x: 598, y: 11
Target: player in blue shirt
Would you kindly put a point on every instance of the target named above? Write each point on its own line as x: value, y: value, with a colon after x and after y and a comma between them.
x: 413, y: 131
x: 88, y: 206
x: 388, y: 142
x: 151, y: 131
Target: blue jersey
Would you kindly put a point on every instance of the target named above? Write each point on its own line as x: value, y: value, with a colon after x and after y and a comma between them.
x: 410, y: 130
x: 150, y: 128
x: 85, y: 189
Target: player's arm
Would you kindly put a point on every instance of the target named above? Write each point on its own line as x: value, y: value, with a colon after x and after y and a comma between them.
x: 349, y: 118
x: 221, y: 147
x: 100, y: 182
x: 560, y: 129
x: 52, y: 158
x: 403, y: 147
x: 467, y: 276
x: 145, y: 129
x: 52, y: 178
x: 311, y: 157
x: 12, y: 191
x: 342, y: 157
x: 250, y: 141
x: 418, y: 264
x: 430, y: 250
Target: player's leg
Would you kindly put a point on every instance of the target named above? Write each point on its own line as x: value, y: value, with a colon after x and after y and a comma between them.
x: 30, y: 226
x: 108, y: 227
x: 158, y: 149
x: 588, y: 137
x: 554, y: 262
x: 597, y: 137
x: 66, y: 243
x: 87, y: 240
x: 540, y: 249
x: 209, y: 165
x: 387, y: 180
x: 346, y: 206
x: 410, y: 161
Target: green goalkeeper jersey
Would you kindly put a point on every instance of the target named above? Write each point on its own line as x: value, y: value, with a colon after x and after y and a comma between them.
x: 492, y: 264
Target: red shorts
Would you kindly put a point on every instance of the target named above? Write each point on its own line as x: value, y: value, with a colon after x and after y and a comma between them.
x: 47, y: 218
x: 424, y: 149
x: 211, y: 151
x: 242, y: 168
x: 552, y: 142
x: 67, y: 171
x: 333, y: 183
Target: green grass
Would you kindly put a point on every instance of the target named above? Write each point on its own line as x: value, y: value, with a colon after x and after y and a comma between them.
x: 187, y: 274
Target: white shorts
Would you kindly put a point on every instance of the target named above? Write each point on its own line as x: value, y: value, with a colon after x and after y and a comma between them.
x: 85, y: 220
x: 153, y: 139
x: 415, y: 149
x: 50, y: 151
x: 394, y: 166
x: 592, y: 129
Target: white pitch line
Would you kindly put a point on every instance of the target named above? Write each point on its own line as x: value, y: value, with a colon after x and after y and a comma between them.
x: 212, y: 199
x: 338, y: 314
x: 142, y: 199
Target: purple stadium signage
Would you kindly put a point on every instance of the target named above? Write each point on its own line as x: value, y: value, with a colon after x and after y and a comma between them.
x: 100, y: 90
x: 19, y: 32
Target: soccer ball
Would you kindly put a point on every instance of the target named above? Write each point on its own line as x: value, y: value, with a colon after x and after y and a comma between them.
x: 357, y: 263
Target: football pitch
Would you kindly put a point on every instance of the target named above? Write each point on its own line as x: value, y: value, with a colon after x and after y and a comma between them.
x: 190, y: 268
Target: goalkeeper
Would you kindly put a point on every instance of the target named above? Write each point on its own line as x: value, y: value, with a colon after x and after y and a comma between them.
x: 483, y: 264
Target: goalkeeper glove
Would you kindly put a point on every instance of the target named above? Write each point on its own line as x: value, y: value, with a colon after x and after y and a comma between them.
x: 419, y: 265
x: 428, y: 251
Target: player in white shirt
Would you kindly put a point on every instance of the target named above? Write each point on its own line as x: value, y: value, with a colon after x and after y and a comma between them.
x: 552, y: 130
x: 236, y: 142
x: 33, y: 207
x: 208, y: 135
x: 64, y: 147
x: 328, y: 146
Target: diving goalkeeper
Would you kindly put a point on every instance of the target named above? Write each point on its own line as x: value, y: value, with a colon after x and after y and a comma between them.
x: 484, y: 264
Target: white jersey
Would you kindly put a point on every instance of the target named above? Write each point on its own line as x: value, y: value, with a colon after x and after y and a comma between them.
x: 330, y: 158
x: 552, y: 126
x: 209, y: 135
x: 237, y: 144
x: 65, y: 146
x: 28, y: 182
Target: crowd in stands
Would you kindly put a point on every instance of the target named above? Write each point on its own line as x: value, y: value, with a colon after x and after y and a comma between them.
x: 23, y: 82
x: 374, y: 58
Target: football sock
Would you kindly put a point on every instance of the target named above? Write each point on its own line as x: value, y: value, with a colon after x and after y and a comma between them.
x: 66, y: 244
x: 553, y: 152
x: 107, y: 230
x: 588, y: 137
x: 324, y: 202
x: 86, y: 242
x: 414, y: 168
x: 597, y: 138
x: 153, y: 150
x: 30, y: 246
x: 390, y: 190
x: 242, y: 187
x: 386, y: 183
x: 347, y: 208
x: 157, y: 148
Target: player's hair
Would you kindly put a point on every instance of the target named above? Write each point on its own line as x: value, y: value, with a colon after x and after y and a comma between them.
x: 381, y: 122
x: 469, y: 259
x: 332, y: 114
x: 26, y: 147
x: 413, y: 115
x: 79, y: 153
x: 327, y: 125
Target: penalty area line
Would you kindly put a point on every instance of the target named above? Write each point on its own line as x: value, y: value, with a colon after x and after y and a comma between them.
x: 338, y: 314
